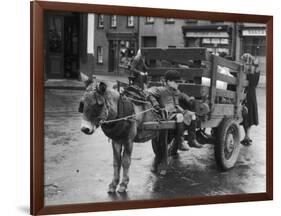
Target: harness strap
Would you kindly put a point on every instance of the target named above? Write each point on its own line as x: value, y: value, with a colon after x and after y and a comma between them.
x: 140, y: 101
x: 126, y: 117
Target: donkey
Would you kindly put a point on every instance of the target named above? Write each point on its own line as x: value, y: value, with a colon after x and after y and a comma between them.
x: 104, y: 106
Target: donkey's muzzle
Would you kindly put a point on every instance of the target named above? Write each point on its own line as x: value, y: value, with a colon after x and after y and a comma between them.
x: 87, y: 130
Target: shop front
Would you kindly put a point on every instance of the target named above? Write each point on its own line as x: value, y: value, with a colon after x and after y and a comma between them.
x: 253, y: 41
x: 122, y: 48
x: 216, y: 38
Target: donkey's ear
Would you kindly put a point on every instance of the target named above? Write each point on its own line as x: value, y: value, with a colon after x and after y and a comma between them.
x: 86, y: 79
x: 102, y: 87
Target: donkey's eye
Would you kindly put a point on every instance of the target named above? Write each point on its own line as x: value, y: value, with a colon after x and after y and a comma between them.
x: 81, y: 107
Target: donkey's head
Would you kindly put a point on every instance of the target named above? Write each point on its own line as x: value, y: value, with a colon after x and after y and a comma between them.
x: 93, y: 105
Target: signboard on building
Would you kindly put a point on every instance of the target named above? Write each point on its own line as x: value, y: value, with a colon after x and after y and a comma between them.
x: 253, y: 32
x: 207, y: 34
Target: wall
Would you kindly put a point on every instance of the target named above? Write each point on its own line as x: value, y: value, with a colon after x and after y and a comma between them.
x: 101, y: 40
x: 160, y: 29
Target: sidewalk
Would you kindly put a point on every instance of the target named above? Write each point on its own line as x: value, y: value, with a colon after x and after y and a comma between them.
x: 111, y: 80
x: 79, y: 85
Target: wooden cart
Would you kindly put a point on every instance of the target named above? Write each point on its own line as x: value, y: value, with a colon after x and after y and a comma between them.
x: 207, y: 77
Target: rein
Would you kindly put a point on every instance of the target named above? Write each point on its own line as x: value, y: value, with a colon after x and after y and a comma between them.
x: 126, y: 117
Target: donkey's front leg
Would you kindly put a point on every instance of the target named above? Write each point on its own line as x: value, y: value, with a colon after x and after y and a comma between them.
x: 126, y: 162
x: 117, y: 148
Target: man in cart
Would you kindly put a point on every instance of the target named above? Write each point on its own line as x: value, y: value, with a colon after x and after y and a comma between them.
x: 169, y: 98
x: 138, y: 68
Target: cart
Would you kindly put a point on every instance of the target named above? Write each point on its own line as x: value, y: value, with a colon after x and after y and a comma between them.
x: 209, y: 78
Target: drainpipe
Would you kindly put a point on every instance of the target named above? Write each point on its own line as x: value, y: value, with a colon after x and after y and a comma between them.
x: 138, y: 34
x: 234, y: 38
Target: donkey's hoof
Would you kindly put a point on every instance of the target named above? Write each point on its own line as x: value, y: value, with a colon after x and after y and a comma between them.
x: 122, y: 188
x: 111, y: 189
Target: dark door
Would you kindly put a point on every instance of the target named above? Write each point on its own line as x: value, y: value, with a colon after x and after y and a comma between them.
x: 111, y: 57
x: 71, y: 46
x: 62, y: 45
x: 54, y: 49
x: 150, y: 42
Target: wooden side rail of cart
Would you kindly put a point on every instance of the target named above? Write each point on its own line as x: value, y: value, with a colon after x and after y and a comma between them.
x: 201, y: 72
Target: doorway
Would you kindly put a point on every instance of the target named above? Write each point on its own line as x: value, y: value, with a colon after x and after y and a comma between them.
x: 62, y: 45
x: 111, y: 56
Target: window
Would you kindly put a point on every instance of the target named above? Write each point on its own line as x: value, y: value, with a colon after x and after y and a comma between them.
x: 100, y: 21
x: 149, y: 20
x: 216, y: 22
x: 193, y: 21
x: 130, y: 22
x: 113, y: 21
x: 100, y: 55
x: 169, y: 21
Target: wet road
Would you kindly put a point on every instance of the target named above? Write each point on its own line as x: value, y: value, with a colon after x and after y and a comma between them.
x: 78, y: 167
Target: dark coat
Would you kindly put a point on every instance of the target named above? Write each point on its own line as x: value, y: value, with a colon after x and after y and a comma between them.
x: 251, y: 100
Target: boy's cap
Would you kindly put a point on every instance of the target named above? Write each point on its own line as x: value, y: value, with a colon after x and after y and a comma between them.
x: 172, y: 75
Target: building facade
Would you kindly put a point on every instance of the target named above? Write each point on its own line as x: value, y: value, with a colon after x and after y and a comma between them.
x: 160, y: 32
x: 115, y: 41
x: 91, y: 44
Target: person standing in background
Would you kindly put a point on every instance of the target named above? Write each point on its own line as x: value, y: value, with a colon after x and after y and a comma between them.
x: 250, y: 110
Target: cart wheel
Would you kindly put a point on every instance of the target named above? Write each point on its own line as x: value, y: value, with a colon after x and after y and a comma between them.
x: 228, y: 147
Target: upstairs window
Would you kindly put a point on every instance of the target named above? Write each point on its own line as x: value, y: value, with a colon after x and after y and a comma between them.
x: 113, y: 21
x: 101, y: 21
x: 130, y: 21
x: 192, y: 21
x: 149, y: 20
x: 169, y: 21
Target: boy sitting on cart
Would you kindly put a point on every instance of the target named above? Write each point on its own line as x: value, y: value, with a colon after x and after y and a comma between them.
x: 168, y: 98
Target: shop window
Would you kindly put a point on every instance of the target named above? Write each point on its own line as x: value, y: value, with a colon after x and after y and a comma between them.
x: 254, y: 45
x: 224, y: 41
x: 149, y: 20
x: 100, y: 21
x: 130, y: 21
x: 100, y: 55
x: 169, y: 21
x: 113, y: 21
